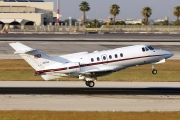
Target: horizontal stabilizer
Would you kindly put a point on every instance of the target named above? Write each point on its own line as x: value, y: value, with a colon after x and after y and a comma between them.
x: 21, y: 48
x: 24, y: 51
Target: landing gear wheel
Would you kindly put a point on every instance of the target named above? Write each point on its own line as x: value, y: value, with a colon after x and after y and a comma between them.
x: 90, y: 83
x: 87, y: 83
x: 154, y: 71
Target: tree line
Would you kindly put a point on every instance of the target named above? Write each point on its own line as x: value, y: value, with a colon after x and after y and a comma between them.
x: 115, y: 10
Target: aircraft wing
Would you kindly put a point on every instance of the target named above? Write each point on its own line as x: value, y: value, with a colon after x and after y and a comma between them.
x: 96, y: 71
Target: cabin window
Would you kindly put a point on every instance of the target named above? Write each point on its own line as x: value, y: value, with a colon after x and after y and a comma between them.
x: 143, y: 49
x: 110, y: 57
x: 146, y: 49
x: 104, y: 57
x: 92, y: 60
x: 116, y: 55
x: 98, y: 58
x: 151, y: 48
x: 121, y: 55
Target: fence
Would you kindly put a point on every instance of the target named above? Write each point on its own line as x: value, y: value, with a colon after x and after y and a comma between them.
x: 139, y: 28
x: 49, y: 28
x: 104, y: 28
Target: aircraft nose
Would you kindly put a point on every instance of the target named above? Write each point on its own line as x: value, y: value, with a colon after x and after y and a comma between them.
x: 169, y: 54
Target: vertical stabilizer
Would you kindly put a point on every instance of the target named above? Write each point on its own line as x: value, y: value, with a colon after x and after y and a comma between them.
x: 34, y: 57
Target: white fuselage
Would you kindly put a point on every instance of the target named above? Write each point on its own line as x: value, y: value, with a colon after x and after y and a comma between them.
x: 108, y: 60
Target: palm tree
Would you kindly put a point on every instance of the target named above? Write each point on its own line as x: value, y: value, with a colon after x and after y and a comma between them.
x: 114, y: 10
x: 84, y: 7
x: 146, y: 12
x: 95, y: 23
x: 177, y: 12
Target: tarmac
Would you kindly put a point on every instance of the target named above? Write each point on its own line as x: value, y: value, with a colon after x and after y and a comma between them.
x: 93, y: 37
x: 118, y: 96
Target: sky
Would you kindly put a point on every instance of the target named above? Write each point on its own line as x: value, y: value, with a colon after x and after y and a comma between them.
x: 129, y: 9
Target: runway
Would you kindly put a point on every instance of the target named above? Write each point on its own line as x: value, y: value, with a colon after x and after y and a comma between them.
x: 94, y: 91
x: 79, y: 87
x: 74, y: 96
x: 91, y: 37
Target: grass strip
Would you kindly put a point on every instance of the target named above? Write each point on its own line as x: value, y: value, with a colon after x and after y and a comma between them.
x: 167, y: 72
x: 58, y: 115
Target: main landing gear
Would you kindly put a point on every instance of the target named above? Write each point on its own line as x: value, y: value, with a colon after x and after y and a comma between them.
x: 154, y: 71
x: 90, y: 83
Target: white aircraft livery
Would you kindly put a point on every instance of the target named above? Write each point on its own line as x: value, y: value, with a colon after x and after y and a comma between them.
x: 88, y: 66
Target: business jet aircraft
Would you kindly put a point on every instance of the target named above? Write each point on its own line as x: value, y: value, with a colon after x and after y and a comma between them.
x: 89, y: 66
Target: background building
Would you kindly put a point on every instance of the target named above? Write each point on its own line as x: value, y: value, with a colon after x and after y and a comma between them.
x: 19, y: 13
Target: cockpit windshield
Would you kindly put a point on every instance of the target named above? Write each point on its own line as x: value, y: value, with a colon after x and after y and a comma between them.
x: 151, y: 48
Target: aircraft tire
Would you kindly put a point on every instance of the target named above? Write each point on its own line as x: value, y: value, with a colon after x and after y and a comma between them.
x: 91, y: 83
x: 87, y: 83
x: 154, y: 71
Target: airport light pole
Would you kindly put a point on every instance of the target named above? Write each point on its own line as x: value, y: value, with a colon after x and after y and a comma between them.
x: 58, y: 12
x: 97, y: 17
x: 70, y: 21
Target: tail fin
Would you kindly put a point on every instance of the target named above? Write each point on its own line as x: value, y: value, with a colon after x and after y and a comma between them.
x: 34, y: 57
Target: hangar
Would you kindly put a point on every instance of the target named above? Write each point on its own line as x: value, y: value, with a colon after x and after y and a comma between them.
x: 20, y: 13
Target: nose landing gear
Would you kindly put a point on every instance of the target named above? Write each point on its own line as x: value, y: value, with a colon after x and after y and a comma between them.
x: 154, y: 71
